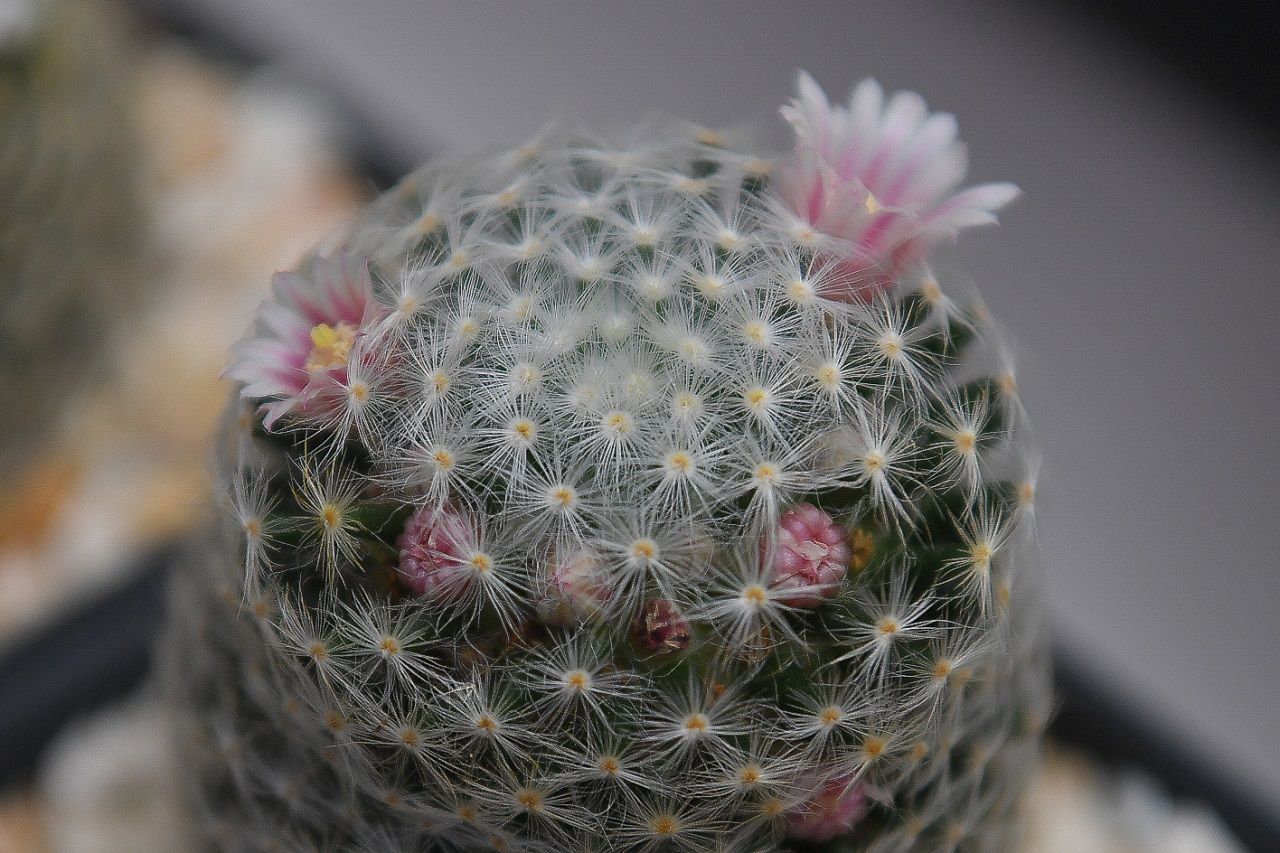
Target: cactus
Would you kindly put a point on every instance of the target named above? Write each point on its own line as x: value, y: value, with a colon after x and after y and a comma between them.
x: 643, y: 497
x: 70, y: 216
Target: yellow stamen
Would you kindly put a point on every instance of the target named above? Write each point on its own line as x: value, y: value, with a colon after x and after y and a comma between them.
x: 330, y: 346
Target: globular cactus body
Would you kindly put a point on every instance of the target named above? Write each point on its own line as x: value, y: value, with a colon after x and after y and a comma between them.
x: 71, y: 223
x: 654, y: 497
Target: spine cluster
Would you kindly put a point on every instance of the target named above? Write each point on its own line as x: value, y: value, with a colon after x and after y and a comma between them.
x: 656, y: 497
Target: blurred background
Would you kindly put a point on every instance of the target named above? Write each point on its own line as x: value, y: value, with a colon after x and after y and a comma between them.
x: 161, y: 158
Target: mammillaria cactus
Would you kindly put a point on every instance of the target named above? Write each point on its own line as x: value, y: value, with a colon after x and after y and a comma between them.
x: 646, y: 497
x: 70, y: 215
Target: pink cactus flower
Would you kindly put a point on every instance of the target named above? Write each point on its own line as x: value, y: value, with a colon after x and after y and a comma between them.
x: 308, y: 333
x: 433, y: 548
x: 833, y: 811
x: 880, y: 178
x: 810, y: 554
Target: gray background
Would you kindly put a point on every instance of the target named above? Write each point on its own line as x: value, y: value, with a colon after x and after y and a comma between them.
x: 1139, y: 274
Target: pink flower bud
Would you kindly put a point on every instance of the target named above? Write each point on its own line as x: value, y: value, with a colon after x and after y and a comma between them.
x: 810, y: 555
x: 433, y: 547
x: 833, y: 810
x: 578, y: 581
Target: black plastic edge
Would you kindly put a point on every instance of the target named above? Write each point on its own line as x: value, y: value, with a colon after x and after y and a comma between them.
x: 1095, y: 718
x: 97, y: 652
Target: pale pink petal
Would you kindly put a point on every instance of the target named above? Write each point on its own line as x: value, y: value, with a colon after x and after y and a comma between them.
x: 880, y: 176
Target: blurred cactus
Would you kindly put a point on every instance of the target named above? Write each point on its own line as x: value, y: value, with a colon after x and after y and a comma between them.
x: 655, y: 497
x: 70, y: 225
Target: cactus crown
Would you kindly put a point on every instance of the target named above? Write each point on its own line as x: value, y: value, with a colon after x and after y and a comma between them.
x: 610, y: 498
